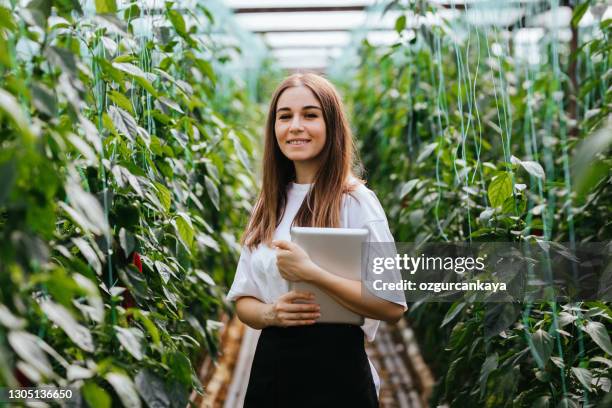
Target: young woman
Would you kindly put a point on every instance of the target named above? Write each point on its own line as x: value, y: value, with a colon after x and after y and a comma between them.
x: 308, y: 181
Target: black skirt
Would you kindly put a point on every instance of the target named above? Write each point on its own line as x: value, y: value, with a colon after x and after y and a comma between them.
x: 320, y: 365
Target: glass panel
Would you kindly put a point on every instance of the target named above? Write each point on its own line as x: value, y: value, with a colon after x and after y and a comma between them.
x: 306, y: 39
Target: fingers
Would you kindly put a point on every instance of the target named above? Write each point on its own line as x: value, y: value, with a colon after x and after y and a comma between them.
x: 300, y: 316
x: 280, y: 244
x: 298, y: 319
x: 294, y: 295
x: 301, y: 307
x: 289, y: 313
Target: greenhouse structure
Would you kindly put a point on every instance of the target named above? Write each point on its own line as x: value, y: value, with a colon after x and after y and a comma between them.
x: 228, y: 203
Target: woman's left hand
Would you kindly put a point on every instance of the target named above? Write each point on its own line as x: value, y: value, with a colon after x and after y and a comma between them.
x: 293, y: 262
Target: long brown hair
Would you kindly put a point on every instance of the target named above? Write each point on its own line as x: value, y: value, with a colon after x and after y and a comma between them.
x: 321, y: 207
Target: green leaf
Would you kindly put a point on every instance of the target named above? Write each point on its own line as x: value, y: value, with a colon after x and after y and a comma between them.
x: 184, y: 228
x: 164, y: 271
x: 127, y: 241
x: 400, y: 23
x: 144, y: 79
x: 512, y: 206
x: 124, y: 122
x: 27, y: 347
x: 452, y: 313
x: 579, y: 11
x: 407, y: 188
x: 542, y: 346
x: 242, y: 154
x: 584, y: 376
x: 542, y: 402
x: 89, y: 253
x: 206, y: 278
x: 498, y: 317
x: 152, y: 389
x: 205, y: 68
x: 59, y: 315
x: 488, y: 366
x: 131, y: 339
x: 600, y: 335
x: 207, y: 241
x: 84, y: 209
x: 9, y: 320
x: 566, y: 318
x: 63, y: 59
x: 602, y: 360
x: 213, y: 191
x: 451, y: 374
x: 178, y: 22
x: 41, y: 10
x: 131, y: 12
x: 124, y: 387
x: 95, y: 310
x: 149, y: 325
x: 534, y: 168
x: 164, y: 195
x: 171, y: 104
x: 500, y: 189
x: 95, y: 396
x: 426, y: 152
x: 6, y: 19
x: 5, y: 57
x: 181, y: 367
x: 43, y: 99
x: 12, y: 108
x: 91, y: 133
x: 106, y: 6
x: 82, y: 147
x: 121, y: 100
x: 132, y: 180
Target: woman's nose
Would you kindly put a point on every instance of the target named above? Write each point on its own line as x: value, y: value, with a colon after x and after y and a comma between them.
x: 296, y: 124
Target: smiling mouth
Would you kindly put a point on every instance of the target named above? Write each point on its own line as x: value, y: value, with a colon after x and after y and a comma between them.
x: 298, y: 142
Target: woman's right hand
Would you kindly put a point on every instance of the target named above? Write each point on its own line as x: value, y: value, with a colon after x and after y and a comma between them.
x: 285, y: 312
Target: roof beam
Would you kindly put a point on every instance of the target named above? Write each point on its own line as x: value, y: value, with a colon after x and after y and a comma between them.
x: 303, y: 46
x: 323, y: 9
x: 319, y: 30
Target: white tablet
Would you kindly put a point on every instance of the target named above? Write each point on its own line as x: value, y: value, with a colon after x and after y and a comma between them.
x: 337, y: 250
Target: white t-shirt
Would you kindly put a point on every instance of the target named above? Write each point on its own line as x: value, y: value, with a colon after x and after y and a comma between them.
x: 258, y: 276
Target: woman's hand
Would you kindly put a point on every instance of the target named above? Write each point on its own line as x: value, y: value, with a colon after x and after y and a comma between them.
x: 284, y: 312
x: 293, y: 262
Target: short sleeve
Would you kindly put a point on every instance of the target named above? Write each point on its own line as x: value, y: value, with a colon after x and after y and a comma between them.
x: 365, y: 211
x: 244, y: 283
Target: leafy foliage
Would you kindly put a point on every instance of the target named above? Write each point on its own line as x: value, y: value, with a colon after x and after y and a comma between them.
x: 123, y: 184
x: 464, y: 142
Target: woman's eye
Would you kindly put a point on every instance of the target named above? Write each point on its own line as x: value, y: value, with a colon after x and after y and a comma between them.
x: 284, y: 117
x: 311, y: 115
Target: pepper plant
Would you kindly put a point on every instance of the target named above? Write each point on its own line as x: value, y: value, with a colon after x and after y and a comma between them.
x: 466, y: 141
x: 122, y: 188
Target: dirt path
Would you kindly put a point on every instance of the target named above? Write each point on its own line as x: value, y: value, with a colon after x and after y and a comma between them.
x: 406, y: 381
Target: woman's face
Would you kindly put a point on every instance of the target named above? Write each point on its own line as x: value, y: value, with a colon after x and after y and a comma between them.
x: 299, y: 124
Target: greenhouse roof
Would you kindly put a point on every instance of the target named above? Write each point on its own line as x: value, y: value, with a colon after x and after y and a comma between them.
x: 311, y: 34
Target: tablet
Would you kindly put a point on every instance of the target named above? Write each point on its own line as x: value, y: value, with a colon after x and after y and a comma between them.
x: 337, y: 250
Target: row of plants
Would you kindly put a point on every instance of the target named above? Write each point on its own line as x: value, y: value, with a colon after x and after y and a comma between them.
x: 124, y: 175
x: 464, y: 141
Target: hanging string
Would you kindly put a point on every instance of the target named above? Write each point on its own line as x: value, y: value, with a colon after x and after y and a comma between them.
x: 460, y: 82
x: 101, y: 102
x: 441, y: 108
